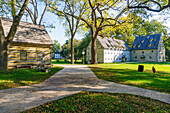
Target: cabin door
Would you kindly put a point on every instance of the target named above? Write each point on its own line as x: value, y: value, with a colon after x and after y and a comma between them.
x: 40, y: 58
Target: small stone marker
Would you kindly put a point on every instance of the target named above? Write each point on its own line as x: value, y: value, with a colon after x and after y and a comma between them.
x: 140, y: 68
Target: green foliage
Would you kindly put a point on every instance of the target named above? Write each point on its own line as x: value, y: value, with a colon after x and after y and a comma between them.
x: 84, y: 44
x: 56, y: 46
x: 66, y: 49
x: 88, y: 102
x: 5, y: 8
x: 23, y: 77
x: 128, y: 74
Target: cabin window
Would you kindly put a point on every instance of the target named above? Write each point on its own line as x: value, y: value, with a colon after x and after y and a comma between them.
x: 23, y: 55
x: 143, y: 52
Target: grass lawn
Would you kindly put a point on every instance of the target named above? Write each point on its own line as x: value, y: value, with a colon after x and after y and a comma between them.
x: 126, y: 73
x: 54, y: 61
x: 22, y: 77
x: 86, y: 102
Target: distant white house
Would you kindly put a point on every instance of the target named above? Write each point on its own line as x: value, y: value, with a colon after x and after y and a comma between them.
x: 57, y: 55
x: 109, y: 50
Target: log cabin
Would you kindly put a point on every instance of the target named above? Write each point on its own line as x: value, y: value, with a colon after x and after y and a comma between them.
x: 31, y: 45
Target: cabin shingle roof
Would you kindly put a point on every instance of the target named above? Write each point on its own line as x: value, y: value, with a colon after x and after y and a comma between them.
x: 112, y: 43
x: 28, y: 33
x: 146, y: 42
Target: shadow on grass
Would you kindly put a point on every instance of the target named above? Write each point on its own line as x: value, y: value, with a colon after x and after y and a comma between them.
x: 158, y: 81
x: 21, y: 77
x: 159, y: 63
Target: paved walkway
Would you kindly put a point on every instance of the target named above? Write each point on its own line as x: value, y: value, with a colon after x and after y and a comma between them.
x: 71, y: 80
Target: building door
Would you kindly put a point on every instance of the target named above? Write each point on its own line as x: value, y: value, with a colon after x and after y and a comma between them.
x: 142, y: 58
x: 124, y: 58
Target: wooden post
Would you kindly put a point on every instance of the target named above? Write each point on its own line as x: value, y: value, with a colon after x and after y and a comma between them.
x: 83, y: 56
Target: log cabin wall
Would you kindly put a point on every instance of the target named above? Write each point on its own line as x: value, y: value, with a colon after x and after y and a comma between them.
x: 32, y: 51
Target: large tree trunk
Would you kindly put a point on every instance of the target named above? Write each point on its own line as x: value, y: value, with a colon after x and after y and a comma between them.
x: 3, y: 55
x: 5, y: 41
x: 93, y: 52
x: 72, y: 50
x: 3, y: 49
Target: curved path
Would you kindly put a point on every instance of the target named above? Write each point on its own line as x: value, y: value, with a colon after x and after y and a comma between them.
x: 71, y: 80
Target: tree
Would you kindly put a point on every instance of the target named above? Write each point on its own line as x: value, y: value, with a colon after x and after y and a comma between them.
x: 66, y: 49
x: 72, y: 7
x: 84, y: 44
x: 33, y: 11
x: 151, y: 5
x: 98, y: 15
x: 5, y: 41
x: 56, y: 46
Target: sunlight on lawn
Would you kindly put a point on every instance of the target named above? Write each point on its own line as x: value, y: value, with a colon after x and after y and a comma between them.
x: 127, y: 73
x: 137, y: 82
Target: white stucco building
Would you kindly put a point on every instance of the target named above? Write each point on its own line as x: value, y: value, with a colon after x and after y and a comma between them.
x: 109, y: 50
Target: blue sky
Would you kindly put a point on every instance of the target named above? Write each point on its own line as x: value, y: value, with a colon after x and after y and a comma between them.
x: 58, y: 33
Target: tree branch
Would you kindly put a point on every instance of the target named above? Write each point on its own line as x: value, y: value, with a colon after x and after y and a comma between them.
x: 16, y: 21
x: 141, y: 5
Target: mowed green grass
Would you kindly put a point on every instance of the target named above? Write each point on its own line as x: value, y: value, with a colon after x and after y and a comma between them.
x: 86, y: 102
x: 22, y: 77
x: 127, y: 73
x: 54, y: 61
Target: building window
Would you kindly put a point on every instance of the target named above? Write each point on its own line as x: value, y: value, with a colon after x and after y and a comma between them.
x: 108, y: 58
x: 143, y: 52
x: 152, y: 51
x: 23, y: 55
x: 105, y: 59
x: 134, y: 51
x: 111, y: 58
x: 105, y: 53
x: 150, y: 57
x: 108, y: 52
x: 136, y: 57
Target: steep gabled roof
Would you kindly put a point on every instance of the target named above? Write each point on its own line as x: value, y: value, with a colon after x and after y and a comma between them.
x: 28, y: 33
x: 112, y: 43
x: 146, y: 42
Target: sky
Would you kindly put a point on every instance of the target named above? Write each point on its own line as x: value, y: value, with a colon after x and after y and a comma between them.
x: 58, y: 33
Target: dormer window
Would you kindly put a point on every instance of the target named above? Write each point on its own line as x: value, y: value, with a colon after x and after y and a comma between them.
x: 139, y: 45
x: 149, y: 45
x: 151, y: 40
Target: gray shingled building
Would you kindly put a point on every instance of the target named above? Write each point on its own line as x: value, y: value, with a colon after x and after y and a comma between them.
x: 30, y: 45
x: 109, y: 50
x: 149, y: 48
